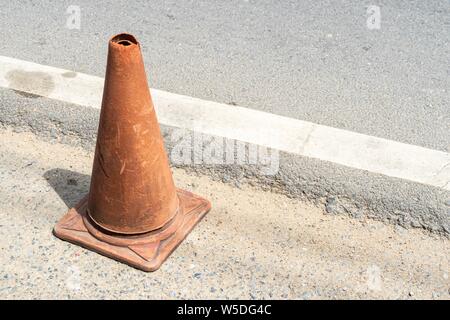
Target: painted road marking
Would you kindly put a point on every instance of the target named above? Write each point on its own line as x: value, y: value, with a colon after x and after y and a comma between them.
x: 304, y: 138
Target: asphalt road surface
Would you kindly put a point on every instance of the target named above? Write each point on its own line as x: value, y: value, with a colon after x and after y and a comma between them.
x: 310, y: 60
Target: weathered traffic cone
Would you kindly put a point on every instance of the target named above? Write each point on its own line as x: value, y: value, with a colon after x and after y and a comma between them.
x: 133, y: 212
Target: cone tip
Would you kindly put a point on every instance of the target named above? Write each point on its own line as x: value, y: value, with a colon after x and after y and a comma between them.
x: 124, y: 40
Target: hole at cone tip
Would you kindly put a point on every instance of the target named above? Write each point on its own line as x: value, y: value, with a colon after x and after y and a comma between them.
x: 124, y: 42
x: 124, y: 39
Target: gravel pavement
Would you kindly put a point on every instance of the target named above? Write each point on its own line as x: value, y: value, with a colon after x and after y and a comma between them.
x: 253, y: 244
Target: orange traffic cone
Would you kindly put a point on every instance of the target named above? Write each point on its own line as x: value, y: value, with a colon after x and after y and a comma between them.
x: 133, y: 212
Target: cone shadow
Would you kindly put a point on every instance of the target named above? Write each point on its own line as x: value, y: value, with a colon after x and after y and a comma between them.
x: 70, y: 185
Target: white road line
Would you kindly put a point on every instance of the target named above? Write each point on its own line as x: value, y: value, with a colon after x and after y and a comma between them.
x: 304, y: 138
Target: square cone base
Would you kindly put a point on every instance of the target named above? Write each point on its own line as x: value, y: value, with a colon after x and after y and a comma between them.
x: 147, y: 256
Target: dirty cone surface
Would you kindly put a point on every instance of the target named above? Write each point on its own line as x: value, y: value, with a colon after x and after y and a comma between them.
x: 133, y: 212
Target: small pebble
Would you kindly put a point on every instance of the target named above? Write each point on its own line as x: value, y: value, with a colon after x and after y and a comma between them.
x: 197, y: 275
